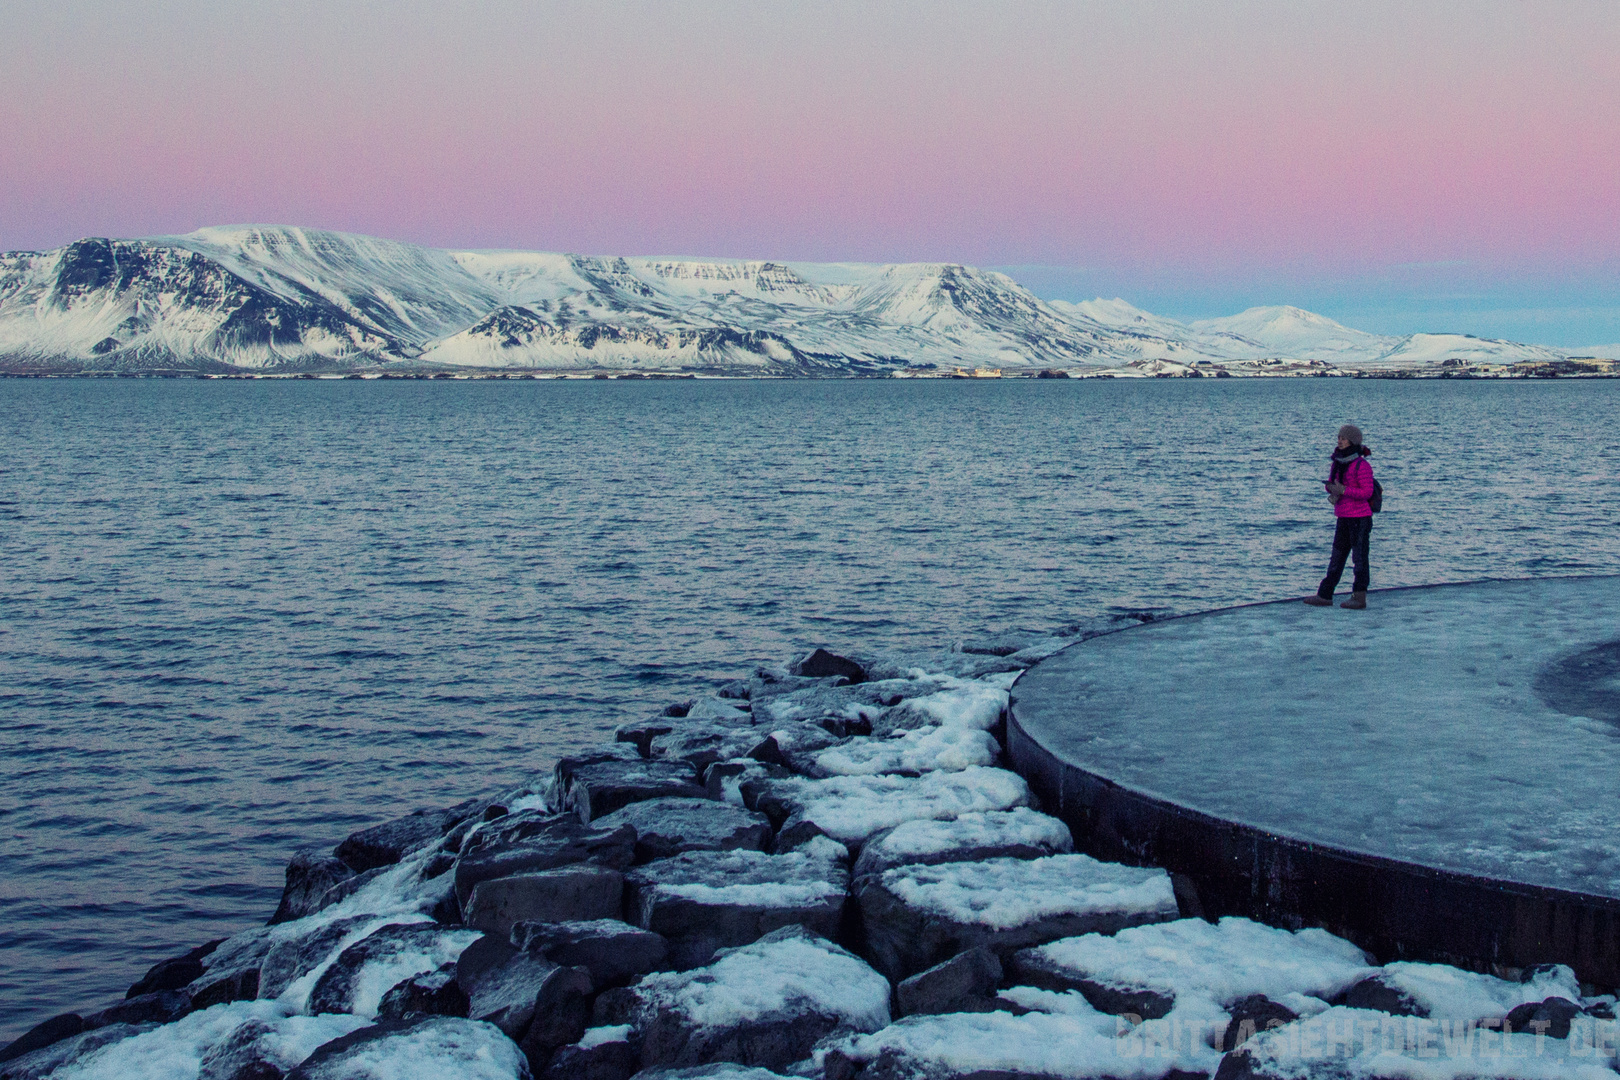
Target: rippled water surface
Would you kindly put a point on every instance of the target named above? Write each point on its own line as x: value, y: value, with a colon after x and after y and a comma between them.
x: 237, y: 618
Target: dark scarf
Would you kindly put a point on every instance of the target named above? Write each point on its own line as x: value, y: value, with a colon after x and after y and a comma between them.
x: 1341, y: 463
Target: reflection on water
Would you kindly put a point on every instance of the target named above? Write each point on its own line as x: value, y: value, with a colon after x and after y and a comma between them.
x: 238, y: 618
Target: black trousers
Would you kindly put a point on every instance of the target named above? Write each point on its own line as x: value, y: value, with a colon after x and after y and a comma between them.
x: 1350, y: 538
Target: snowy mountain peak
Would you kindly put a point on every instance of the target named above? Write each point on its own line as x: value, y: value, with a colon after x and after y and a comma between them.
x: 273, y: 297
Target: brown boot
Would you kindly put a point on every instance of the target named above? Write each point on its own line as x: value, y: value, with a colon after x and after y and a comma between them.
x: 1317, y: 601
x: 1357, y: 601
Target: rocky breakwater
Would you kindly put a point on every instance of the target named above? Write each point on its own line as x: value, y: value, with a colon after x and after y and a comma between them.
x: 818, y: 871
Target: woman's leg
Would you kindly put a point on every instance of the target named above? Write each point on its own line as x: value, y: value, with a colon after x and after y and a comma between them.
x: 1343, y: 541
x: 1363, y: 542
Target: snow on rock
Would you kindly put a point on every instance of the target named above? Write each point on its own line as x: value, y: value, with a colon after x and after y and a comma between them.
x: 424, y: 1048
x: 1439, y: 990
x: 924, y: 750
x: 977, y: 704
x: 1020, y: 833
x: 851, y: 808
x: 1082, y: 1044
x: 707, y: 900
x: 917, y: 916
x: 357, y: 979
x: 1147, y: 969
x: 177, y: 1051
x: 763, y: 1004
x: 1357, y: 1044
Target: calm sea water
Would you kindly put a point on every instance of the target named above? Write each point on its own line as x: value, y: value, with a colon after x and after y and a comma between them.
x: 238, y: 618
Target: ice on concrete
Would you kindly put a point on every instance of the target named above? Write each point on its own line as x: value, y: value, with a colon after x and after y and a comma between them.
x: 923, y: 750
x: 787, y: 969
x: 1429, y: 734
x: 1004, y: 893
x: 1223, y: 961
x: 1357, y: 1044
x: 175, y: 1051
x: 851, y: 808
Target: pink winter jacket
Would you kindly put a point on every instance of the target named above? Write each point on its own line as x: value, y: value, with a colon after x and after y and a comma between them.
x: 1358, y: 488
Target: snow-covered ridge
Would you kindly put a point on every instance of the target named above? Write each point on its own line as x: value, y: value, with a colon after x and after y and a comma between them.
x: 279, y: 298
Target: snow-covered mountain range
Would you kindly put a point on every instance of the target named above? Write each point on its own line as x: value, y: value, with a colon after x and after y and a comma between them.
x: 270, y: 298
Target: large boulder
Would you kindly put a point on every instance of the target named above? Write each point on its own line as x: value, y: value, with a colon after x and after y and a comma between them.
x: 820, y: 664
x: 614, y: 952
x: 696, y: 741
x: 668, y: 827
x: 434, y: 1046
x: 175, y: 972
x: 1020, y: 833
x: 852, y: 808
x: 265, y: 1048
x: 912, y: 753
x: 510, y: 989
x: 1146, y: 970
x: 532, y: 840
x: 707, y: 900
x: 764, y: 1004
x: 565, y: 894
x: 600, y: 1054
x: 964, y: 983
x: 310, y: 875
x: 386, y: 844
x: 431, y: 993
x: 590, y: 787
x: 155, y: 1008
x: 297, y: 955
x: 917, y: 916
x: 362, y: 973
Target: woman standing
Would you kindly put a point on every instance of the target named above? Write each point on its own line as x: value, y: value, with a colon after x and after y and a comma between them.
x: 1350, y: 486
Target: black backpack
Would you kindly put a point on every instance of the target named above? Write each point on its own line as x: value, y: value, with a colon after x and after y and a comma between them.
x: 1376, y: 502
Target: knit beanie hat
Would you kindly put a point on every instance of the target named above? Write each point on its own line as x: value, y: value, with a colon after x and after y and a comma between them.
x: 1352, y: 433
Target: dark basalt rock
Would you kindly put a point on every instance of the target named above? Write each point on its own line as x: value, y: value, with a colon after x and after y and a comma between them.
x: 821, y: 664
x: 155, y: 1008
x: 346, y: 888
x: 42, y: 1062
x: 1252, y: 1015
x: 612, y: 951
x: 509, y: 988
x: 531, y: 840
x: 291, y: 959
x: 433, y: 993
x: 43, y: 1034
x: 1379, y: 996
x: 1029, y: 967
x: 965, y: 983
x: 794, y: 745
x: 1550, y: 1017
x: 175, y: 972
x: 668, y: 827
x: 310, y: 874
x: 592, y: 788
x: 335, y: 991
x: 686, y: 899
x: 704, y: 742
x: 243, y: 1056
x: 565, y: 894
x: 336, y: 1060
x: 239, y: 985
x: 386, y: 844
x: 724, y: 780
x: 604, y: 1061
x: 727, y: 1070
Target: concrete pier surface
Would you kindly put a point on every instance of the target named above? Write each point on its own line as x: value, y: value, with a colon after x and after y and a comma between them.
x: 1437, y: 777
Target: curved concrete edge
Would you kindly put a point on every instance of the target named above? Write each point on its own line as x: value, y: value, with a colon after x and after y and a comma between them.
x: 1394, y: 910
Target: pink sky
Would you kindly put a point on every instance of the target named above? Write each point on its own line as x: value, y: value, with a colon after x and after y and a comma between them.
x: 1407, y: 157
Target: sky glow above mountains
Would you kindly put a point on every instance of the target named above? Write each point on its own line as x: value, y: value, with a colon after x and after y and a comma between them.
x: 1398, y: 167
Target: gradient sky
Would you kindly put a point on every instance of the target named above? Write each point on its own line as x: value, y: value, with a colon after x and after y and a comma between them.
x: 1398, y: 166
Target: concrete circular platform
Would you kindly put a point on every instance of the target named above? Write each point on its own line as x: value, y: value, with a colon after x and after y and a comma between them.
x: 1435, y: 777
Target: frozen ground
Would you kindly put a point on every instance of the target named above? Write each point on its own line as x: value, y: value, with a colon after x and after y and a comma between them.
x: 1456, y: 726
